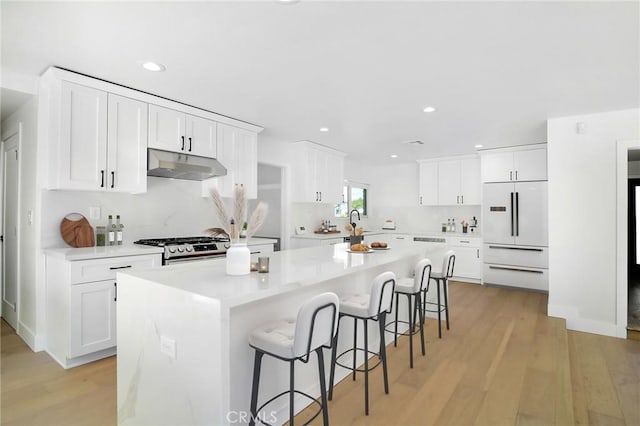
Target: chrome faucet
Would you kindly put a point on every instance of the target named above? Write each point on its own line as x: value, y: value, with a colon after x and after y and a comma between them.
x: 353, y: 224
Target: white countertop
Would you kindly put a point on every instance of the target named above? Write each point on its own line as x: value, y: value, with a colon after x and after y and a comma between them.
x: 313, y: 236
x: 289, y: 270
x: 86, y: 253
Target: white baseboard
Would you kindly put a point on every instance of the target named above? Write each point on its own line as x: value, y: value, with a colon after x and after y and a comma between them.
x: 34, y: 341
x: 577, y: 323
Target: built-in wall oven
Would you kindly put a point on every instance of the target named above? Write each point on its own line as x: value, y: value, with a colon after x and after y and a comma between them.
x: 188, y: 249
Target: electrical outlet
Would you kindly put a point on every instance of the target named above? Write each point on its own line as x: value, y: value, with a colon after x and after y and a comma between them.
x: 30, y: 217
x: 168, y: 347
x: 95, y: 213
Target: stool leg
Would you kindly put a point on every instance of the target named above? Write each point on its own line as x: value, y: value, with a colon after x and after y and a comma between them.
x: 420, y: 320
x: 446, y: 301
x: 254, y: 387
x: 383, y: 352
x: 355, y: 343
x: 291, y: 391
x: 323, y: 388
x: 439, y: 323
x: 334, y: 350
x: 395, y: 333
x: 366, y: 369
x: 411, y: 328
x: 423, y: 306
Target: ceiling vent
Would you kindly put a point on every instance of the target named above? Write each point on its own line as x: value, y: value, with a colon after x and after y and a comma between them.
x: 415, y: 142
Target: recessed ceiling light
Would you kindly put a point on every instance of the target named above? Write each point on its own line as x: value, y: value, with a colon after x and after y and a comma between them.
x: 394, y: 155
x: 324, y: 129
x: 153, y: 66
x: 429, y: 109
x: 478, y: 146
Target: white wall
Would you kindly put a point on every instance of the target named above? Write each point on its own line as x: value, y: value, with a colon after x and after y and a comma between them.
x: 582, y: 218
x: 25, y: 119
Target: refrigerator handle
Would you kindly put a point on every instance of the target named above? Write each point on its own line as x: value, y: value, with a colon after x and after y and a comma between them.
x: 512, y: 214
x: 517, y: 216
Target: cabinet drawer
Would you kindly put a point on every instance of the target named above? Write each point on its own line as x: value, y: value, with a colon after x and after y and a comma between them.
x: 464, y: 242
x: 533, y: 257
x: 84, y: 271
x: 516, y: 276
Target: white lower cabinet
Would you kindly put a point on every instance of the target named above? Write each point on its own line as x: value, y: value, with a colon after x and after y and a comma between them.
x: 92, y: 317
x: 468, y: 265
x: 81, y: 300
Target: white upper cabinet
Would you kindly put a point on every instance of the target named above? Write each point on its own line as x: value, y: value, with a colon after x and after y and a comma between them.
x: 428, y: 183
x: 83, y: 138
x: 450, y: 182
x: 527, y: 163
x: 238, y: 153
x: 103, y: 141
x: 127, y: 145
x: 175, y: 131
x: 318, y: 174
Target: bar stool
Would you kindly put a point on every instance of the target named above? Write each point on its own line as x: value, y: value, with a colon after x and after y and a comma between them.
x: 372, y: 306
x: 292, y: 340
x: 441, y: 277
x: 412, y: 288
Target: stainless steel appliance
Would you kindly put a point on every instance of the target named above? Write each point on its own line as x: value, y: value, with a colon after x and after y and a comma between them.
x: 180, y: 165
x: 186, y: 249
x: 515, y: 232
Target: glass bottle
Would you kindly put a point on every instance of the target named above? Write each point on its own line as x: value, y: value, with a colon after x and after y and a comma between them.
x: 119, y: 231
x: 453, y: 225
x: 111, y: 231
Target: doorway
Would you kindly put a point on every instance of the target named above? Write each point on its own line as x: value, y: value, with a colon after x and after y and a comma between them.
x: 633, y: 255
x: 270, y: 190
x: 9, y: 242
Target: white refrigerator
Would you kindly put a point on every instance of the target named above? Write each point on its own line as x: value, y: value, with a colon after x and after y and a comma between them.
x: 515, y: 234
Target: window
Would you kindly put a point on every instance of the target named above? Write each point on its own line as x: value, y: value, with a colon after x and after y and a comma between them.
x: 354, y: 196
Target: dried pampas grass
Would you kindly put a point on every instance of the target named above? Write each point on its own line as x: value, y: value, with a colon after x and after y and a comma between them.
x: 257, y: 219
x: 231, y: 225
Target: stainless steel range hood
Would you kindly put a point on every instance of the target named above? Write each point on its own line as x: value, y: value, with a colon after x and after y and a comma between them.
x: 182, y: 166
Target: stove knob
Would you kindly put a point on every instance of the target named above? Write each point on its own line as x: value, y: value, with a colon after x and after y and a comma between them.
x: 180, y: 249
x: 188, y: 249
x: 172, y: 249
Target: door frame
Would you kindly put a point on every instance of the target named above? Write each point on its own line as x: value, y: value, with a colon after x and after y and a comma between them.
x: 622, y: 291
x: 18, y: 133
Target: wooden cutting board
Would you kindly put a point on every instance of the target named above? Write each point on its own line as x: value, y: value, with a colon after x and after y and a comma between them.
x: 76, y: 231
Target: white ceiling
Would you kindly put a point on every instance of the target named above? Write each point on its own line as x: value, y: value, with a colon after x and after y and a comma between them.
x: 495, y: 71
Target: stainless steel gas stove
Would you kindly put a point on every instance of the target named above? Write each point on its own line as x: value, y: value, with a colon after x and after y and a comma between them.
x: 186, y: 249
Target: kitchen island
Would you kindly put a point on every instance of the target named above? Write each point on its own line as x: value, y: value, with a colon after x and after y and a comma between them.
x: 183, y: 354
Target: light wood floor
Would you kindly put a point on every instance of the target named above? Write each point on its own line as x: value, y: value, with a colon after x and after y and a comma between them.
x: 503, y: 362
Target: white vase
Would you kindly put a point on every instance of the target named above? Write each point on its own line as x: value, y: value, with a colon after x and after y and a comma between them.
x: 238, y: 259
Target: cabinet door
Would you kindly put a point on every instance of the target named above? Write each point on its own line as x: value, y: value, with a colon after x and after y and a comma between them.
x: 497, y: 167
x: 201, y: 136
x: 247, y: 162
x: 449, y: 183
x: 470, y: 190
x: 428, y: 183
x: 127, y: 145
x: 226, y: 156
x: 92, y: 317
x: 333, y: 192
x: 166, y: 129
x: 83, y: 138
x: 530, y: 164
x: 468, y: 262
x: 305, y: 189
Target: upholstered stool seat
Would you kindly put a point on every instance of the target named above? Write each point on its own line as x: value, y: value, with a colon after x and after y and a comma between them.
x: 293, y: 340
x: 365, y: 306
x: 442, y: 281
x: 412, y: 288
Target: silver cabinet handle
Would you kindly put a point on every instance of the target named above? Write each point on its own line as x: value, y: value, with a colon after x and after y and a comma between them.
x: 534, y: 271
x: 421, y: 199
x: 457, y: 199
x: 119, y: 267
x: 510, y: 175
x: 462, y: 199
x: 465, y: 241
x: 516, y: 175
x: 477, y: 253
